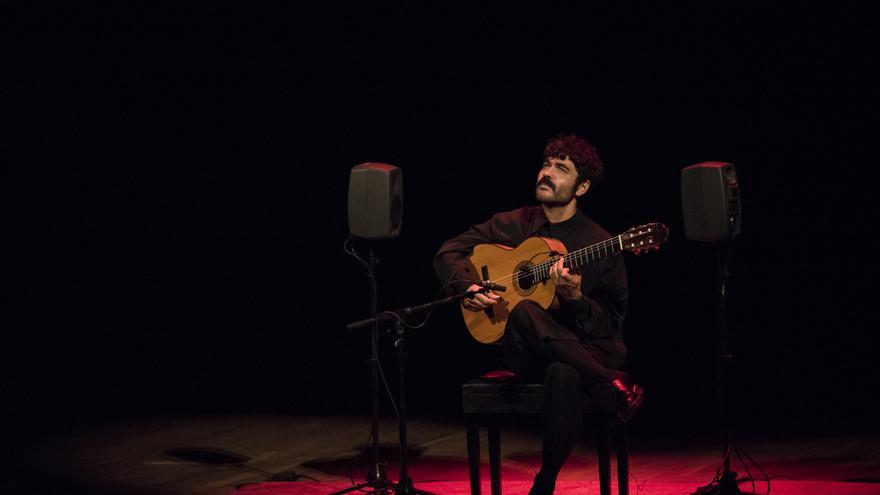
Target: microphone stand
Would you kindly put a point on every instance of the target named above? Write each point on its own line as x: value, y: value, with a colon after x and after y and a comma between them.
x: 404, y: 486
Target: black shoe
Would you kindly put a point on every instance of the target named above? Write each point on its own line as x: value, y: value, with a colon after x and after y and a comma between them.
x: 629, y: 398
x: 543, y: 485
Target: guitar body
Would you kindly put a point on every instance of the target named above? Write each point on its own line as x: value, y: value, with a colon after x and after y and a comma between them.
x: 501, y: 263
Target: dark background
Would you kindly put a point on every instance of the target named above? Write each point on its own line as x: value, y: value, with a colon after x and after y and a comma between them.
x: 178, y: 174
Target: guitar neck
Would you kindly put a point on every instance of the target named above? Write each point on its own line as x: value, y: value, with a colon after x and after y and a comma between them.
x: 589, y: 254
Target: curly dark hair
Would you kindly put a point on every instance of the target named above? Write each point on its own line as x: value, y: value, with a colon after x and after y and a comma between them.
x: 586, y: 160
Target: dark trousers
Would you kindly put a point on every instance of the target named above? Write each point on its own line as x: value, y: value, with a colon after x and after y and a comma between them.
x: 537, y: 346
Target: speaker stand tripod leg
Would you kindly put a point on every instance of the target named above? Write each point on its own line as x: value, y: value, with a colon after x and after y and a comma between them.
x: 376, y: 477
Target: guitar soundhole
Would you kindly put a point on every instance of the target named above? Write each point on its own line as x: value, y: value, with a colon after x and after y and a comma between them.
x: 525, y: 277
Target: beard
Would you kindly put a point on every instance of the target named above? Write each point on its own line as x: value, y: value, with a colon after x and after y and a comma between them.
x: 558, y: 196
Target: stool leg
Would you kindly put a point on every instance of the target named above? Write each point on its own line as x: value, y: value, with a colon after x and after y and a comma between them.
x: 622, y: 460
x: 495, y: 458
x: 603, y: 451
x: 473, y: 448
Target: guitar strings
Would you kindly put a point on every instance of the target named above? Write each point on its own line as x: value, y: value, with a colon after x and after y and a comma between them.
x: 545, y: 265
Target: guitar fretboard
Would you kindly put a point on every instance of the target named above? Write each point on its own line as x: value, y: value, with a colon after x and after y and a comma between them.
x: 582, y: 256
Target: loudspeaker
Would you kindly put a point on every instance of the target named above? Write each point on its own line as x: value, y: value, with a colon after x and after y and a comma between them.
x: 710, y: 201
x: 375, y: 201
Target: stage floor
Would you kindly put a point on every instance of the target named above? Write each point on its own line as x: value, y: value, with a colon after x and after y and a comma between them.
x: 202, y: 455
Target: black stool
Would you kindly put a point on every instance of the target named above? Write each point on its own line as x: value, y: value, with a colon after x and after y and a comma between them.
x: 498, y: 393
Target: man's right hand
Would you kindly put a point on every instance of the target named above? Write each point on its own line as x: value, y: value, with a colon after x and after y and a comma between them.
x: 479, y: 301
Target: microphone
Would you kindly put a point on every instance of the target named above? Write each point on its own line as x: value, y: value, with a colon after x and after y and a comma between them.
x: 493, y: 286
x: 486, y: 286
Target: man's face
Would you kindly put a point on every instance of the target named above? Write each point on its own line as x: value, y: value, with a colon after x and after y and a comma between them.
x: 557, y: 182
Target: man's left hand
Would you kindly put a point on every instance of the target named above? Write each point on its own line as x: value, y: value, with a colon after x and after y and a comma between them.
x: 568, y: 284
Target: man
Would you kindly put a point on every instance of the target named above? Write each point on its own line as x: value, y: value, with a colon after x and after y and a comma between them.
x: 576, y: 346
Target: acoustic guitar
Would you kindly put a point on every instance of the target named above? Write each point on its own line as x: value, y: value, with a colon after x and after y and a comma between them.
x: 525, y: 271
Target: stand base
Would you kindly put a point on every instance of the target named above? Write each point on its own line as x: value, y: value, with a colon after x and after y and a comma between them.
x: 725, y: 486
x: 405, y: 487
x: 376, y: 476
x: 376, y: 479
x: 359, y: 486
x: 386, y: 488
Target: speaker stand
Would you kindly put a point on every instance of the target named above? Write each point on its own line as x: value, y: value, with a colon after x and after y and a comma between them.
x: 725, y: 483
x: 376, y: 477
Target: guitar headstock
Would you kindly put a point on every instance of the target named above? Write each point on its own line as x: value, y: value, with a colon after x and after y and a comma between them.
x: 645, y: 238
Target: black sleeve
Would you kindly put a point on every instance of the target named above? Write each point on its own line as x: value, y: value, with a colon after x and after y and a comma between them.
x: 600, y: 313
x: 451, y: 261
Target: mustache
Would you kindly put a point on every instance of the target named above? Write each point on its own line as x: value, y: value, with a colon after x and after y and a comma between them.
x: 546, y: 180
